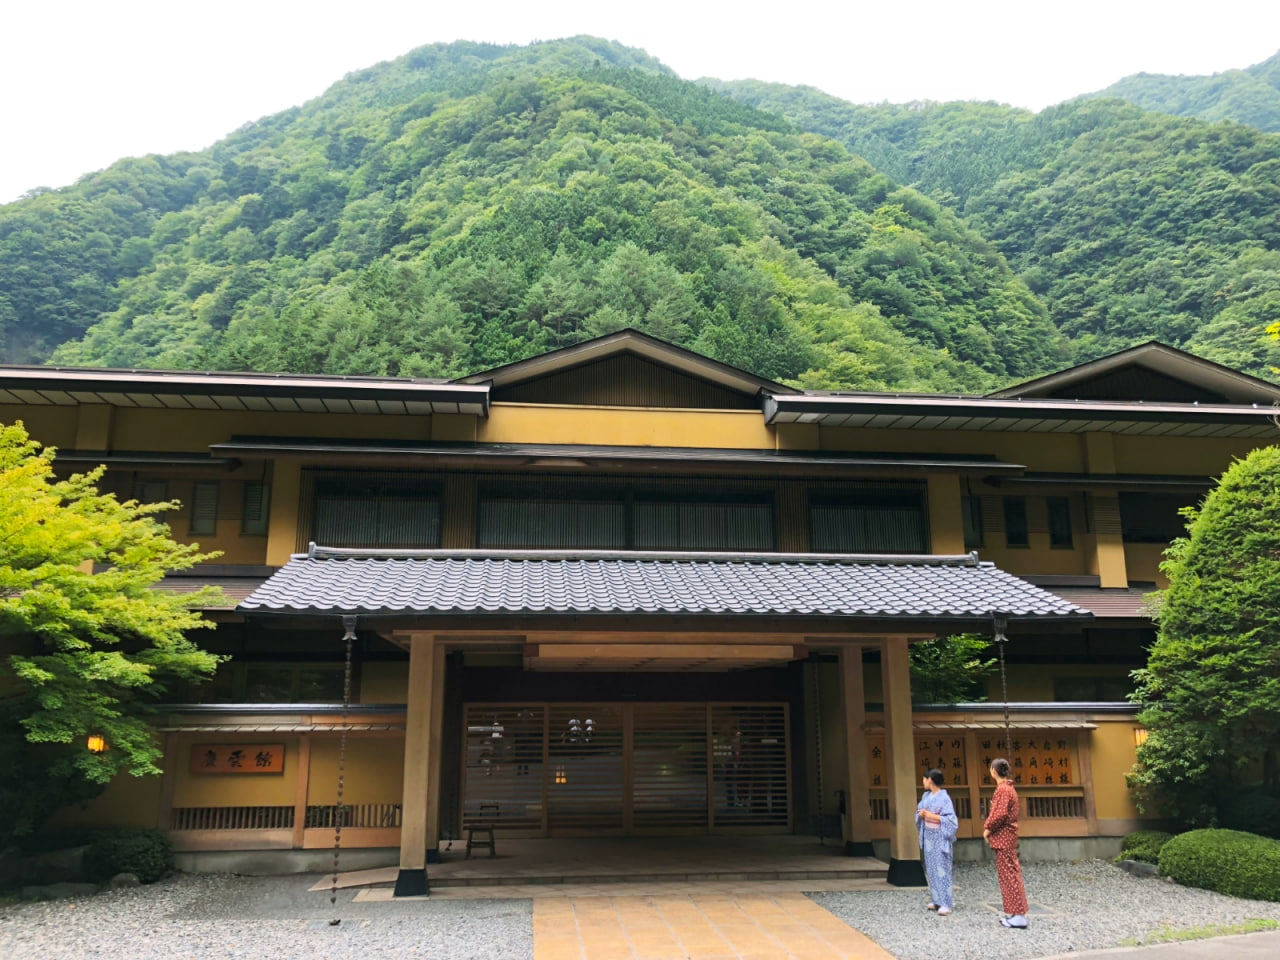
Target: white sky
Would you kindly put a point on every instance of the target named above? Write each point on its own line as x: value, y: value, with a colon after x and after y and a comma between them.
x: 86, y: 82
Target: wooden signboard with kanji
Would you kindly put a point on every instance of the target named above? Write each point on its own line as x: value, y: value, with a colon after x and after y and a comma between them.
x: 237, y: 758
x: 933, y: 749
x: 1040, y: 758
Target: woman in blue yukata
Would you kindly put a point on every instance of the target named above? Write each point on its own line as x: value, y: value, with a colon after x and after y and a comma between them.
x: 936, y: 820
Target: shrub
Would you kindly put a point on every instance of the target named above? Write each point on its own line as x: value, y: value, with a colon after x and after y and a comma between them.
x: 1144, y: 845
x: 147, y: 854
x: 1254, y: 810
x: 1228, y: 861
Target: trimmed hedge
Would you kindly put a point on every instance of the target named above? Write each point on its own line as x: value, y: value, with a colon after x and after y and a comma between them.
x: 1144, y: 845
x: 1227, y: 861
x: 147, y: 854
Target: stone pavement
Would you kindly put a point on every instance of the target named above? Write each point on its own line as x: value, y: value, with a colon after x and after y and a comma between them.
x: 1248, y: 946
x: 695, y: 926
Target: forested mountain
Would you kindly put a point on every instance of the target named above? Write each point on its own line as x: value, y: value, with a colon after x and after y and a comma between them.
x: 1251, y: 95
x: 1128, y: 224
x: 468, y: 205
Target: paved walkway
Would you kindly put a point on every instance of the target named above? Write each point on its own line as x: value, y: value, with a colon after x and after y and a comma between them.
x: 701, y: 926
x: 1249, y: 946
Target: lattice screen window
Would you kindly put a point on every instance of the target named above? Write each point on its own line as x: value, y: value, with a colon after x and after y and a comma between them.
x: 204, y: 508
x: 1017, y: 532
x: 1059, y: 509
x: 704, y: 526
x: 255, y: 508
x: 152, y: 491
x: 551, y: 523
x: 355, y: 513
x: 879, y: 519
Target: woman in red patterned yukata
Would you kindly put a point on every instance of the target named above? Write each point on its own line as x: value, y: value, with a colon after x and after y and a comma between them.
x: 1001, y: 833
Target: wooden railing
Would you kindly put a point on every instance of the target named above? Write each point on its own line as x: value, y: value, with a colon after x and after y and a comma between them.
x: 232, y: 818
x: 354, y: 815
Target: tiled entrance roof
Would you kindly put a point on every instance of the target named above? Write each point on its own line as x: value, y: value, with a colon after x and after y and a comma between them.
x: 437, y: 582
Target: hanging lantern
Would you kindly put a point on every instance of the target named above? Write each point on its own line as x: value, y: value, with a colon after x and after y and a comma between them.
x: 97, y: 743
x: 561, y: 776
x: 1139, y: 736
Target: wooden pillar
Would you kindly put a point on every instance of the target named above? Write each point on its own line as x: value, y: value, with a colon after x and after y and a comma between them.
x: 282, y: 523
x: 1105, y: 541
x: 301, y: 790
x: 946, y: 521
x: 853, y: 701
x: 436, y: 755
x: 412, y: 879
x: 905, y: 869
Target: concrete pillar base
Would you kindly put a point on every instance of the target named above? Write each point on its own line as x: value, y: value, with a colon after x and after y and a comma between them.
x: 412, y: 883
x: 906, y: 873
x: 433, y: 856
x: 858, y: 848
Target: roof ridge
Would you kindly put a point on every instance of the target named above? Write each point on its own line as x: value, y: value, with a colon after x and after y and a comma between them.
x: 317, y: 552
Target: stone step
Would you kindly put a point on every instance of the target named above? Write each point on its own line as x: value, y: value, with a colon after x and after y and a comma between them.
x: 440, y: 879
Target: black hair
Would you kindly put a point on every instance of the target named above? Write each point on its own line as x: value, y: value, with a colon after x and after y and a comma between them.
x: 937, y: 776
x: 1001, y: 767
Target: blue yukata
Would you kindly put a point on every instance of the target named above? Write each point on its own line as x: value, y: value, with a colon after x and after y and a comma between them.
x: 936, y: 841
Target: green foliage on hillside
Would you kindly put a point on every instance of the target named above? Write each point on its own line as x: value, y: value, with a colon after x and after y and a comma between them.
x: 1251, y: 95
x: 470, y: 205
x: 1129, y: 225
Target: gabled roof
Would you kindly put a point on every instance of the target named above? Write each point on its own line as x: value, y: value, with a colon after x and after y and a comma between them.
x: 1143, y: 373
x: 544, y: 582
x: 625, y: 342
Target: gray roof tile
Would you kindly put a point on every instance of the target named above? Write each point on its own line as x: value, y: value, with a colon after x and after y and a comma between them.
x: 436, y: 582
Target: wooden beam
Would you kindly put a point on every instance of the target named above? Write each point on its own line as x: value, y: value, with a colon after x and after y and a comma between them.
x: 857, y: 820
x: 412, y: 879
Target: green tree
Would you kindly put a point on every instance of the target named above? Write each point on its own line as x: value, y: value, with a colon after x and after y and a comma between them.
x: 1210, y: 691
x: 86, y: 650
x: 951, y: 669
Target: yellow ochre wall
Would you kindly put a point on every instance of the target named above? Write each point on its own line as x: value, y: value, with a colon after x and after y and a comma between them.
x: 128, y: 801
x: 1114, y: 753
x: 374, y: 770
x: 624, y: 426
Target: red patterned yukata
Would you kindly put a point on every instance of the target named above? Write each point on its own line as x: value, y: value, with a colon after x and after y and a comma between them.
x: 1002, y: 834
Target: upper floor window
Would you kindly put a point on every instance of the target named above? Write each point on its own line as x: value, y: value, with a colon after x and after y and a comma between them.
x: 370, y: 512
x: 152, y: 491
x: 872, y: 519
x: 620, y: 518
x: 1153, y: 517
x: 255, y: 504
x: 1059, y: 522
x: 204, y: 509
x: 704, y: 525
x: 1016, y: 530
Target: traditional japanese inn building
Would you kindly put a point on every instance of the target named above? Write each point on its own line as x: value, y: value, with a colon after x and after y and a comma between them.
x: 622, y: 589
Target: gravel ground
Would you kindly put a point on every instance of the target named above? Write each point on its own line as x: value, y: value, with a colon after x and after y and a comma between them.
x: 261, y: 918
x: 1074, y: 906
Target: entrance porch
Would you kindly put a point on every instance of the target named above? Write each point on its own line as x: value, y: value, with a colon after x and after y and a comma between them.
x: 550, y: 636
x: 637, y: 860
